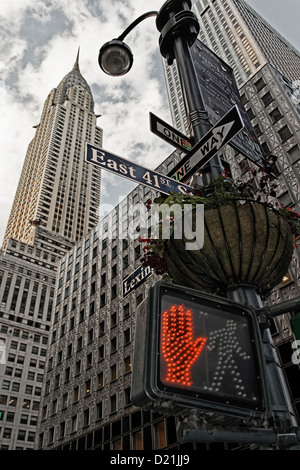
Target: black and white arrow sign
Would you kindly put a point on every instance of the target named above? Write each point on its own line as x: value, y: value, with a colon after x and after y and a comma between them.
x: 209, y: 145
x: 169, y: 133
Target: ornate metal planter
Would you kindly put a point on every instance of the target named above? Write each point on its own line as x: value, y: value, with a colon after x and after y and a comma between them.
x: 243, y: 244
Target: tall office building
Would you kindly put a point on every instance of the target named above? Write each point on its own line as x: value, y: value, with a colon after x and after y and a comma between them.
x: 56, y: 204
x: 57, y: 189
x: 243, y: 39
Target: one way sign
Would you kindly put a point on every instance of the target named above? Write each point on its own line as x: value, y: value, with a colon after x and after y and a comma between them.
x: 209, y: 145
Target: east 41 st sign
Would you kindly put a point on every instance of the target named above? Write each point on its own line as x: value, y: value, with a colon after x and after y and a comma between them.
x: 134, y: 172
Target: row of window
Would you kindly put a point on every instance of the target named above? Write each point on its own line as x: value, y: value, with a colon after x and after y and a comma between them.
x: 22, y: 435
x: 13, y: 402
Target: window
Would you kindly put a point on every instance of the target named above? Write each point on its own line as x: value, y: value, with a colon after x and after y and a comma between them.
x: 125, y: 262
x: 126, y: 311
x: 275, y: 115
x: 54, y: 407
x: 294, y: 153
x: 102, y: 328
x: 113, y: 403
x: 65, y: 400
x: 137, y: 440
x: 127, y: 396
x: 67, y: 374
x: 102, y: 299
x: 89, y: 360
x: 250, y: 113
x: 160, y: 435
x: 5, y: 385
x: 127, y: 365
x: 127, y: 336
x: 21, y: 435
x: 56, y: 381
x: 88, y: 387
x: 99, y: 410
x: 62, y: 428
x: 76, y: 394
x: 86, y: 417
x: 114, y: 291
x: 100, y: 380
x: 90, y: 335
x: 135, y: 199
x: 78, y: 367
x: 113, y: 345
x: 113, y: 372
x: 79, y: 343
x: 74, y: 423
x: 101, y: 352
x: 284, y: 133
x: 267, y: 98
x: 139, y: 299
x: 260, y: 84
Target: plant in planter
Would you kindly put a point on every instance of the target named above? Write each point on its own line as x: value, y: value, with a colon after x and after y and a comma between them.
x: 248, y: 239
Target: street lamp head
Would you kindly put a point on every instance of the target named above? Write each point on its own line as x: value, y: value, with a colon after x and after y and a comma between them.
x: 115, y: 58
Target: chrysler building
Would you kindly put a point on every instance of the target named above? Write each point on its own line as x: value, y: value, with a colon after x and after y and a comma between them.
x: 57, y: 190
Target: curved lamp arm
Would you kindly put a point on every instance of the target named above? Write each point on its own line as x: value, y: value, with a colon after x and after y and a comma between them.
x: 136, y: 22
x: 115, y: 57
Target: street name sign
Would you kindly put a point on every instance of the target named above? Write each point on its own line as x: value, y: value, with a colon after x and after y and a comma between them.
x: 169, y: 134
x: 209, y: 145
x: 136, y: 278
x: 134, y: 172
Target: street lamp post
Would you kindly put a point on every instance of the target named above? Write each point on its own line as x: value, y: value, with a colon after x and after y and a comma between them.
x: 179, y: 28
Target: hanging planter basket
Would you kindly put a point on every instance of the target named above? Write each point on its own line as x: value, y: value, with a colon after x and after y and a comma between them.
x: 243, y: 244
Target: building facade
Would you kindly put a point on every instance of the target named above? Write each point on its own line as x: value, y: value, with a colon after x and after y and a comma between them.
x: 51, y: 210
x: 27, y: 287
x: 86, y: 398
x: 243, y: 39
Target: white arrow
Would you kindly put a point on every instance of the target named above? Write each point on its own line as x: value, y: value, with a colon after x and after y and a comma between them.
x: 220, y: 134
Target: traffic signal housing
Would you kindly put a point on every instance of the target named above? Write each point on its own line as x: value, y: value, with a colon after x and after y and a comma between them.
x: 197, y: 350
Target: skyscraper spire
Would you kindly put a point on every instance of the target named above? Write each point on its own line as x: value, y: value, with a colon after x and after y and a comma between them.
x: 76, y: 65
x: 73, y: 78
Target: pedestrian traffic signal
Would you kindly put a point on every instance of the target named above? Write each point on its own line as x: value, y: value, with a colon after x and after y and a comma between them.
x: 198, y: 350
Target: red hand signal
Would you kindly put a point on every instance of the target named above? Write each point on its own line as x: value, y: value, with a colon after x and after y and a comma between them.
x: 179, y: 348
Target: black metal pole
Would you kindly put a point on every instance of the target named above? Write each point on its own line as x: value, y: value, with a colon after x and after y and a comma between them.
x: 179, y: 29
x: 194, y: 101
x: 280, y: 403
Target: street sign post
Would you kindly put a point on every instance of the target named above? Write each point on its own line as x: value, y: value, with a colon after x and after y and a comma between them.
x: 209, y: 145
x: 134, y: 172
x: 169, y: 134
x: 218, y: 84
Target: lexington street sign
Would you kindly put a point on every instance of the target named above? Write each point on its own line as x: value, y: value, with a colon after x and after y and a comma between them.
x: 136, y: 278
x: 134, y: 172
x: 169, y: 134
x: 209, y: 145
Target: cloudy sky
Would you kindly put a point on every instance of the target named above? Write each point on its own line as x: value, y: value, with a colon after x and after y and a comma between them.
x: 39, y: 43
